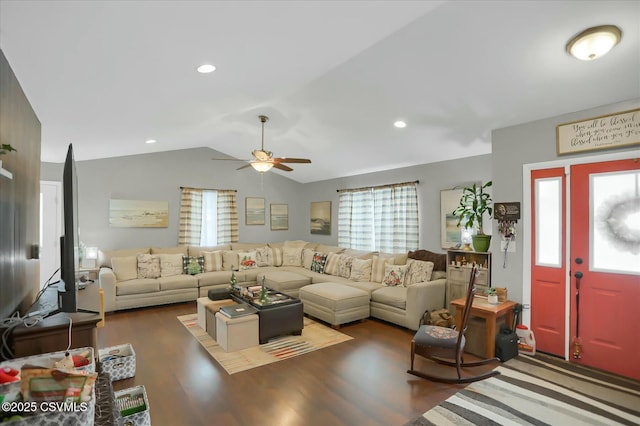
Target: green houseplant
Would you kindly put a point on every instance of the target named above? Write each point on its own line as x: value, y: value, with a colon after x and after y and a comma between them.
x: 6, y: 148
x: 474, y: 203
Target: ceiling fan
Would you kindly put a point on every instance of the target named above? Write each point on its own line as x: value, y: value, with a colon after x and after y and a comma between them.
x: 263, y: 160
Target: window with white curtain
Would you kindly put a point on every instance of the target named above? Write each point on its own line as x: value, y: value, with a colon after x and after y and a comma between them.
x: 382, y: 218
x: 208, y: 217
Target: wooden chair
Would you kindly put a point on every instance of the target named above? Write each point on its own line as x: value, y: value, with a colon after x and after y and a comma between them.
x: 446, y: 346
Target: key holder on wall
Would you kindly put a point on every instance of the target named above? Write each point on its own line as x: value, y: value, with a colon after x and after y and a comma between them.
x: 507, y: 215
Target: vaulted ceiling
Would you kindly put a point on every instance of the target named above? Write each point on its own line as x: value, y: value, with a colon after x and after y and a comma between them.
x: 333, y: 76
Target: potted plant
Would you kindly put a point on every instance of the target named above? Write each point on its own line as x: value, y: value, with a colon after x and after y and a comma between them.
x: 474, y: 202
x: 492, y: 296
x: 5, y: 148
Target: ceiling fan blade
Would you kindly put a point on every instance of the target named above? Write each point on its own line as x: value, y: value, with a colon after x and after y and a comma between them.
x: 291, y: 160
x: 244, y: 167
x: 282, y: 167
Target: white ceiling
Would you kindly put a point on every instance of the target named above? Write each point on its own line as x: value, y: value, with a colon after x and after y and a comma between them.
x: 332, y: 75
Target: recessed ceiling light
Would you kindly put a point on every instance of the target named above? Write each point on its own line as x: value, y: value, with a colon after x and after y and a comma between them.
x: 206, y: 68
x: 400, y: 124
x: 594, y: 42
x: 150, y: 141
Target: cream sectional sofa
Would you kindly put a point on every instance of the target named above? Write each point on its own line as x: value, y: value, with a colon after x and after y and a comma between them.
x: 151, y: 276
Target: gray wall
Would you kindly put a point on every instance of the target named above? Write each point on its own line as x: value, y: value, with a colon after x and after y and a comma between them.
x: 159, y: 177
x: 529, y: 143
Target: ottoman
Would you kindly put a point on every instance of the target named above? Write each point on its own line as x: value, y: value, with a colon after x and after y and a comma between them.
x: 211, y: 309
x: 284, y: 281
x: 202, y: 303
x: 335, y: 303
x: 239, y: 333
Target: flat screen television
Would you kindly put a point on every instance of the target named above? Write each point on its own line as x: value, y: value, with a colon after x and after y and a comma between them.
x: 69, y: 256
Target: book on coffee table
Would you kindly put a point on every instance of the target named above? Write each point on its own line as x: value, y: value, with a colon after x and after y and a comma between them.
x: 237, y: 310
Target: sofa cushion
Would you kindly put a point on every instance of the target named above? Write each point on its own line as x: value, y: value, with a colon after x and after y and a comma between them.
x: 148, y: 266
x: 329, y: 249
x: 393, y: 296
x: 175, y: 282
x: 378, y: 264
x: 318, y: 262
x: 438, y: 275
x: 197, y: 250
x: 212, y: 260
x: 419, y: 271
x: 192, y: 265
x: 334, y: 296
x: 361, y: 254
x: 360, y: 269
x: 247, y: 260
x: 183, y: 250
x: 246, y: 246
x: 137, y: 286
x: 291, y: 256
x: 214, y: 278
x: 125, y: 268
x: 394, y: 275
x: 104, y: 256
x: 170, y: 264
x: 283, y: 280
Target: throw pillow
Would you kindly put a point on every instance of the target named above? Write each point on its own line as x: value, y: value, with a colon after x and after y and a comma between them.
x: 212, y: 260
x: 319, y: 262
x: 307, y: 258
x: 291, y: 256
x: 230, y: 260
x: 170, y: 264
x: 419, y: 271
x: 361, y: 270
x: 125, y: 268
x: 344, y: 266
x: 276, y: 252
x: 377, y: 267
x: 331, y: 267
x: 247, y: 260
x: 394, y: 275
x: 192, y: 265
x: 264, y: 256
x: 148, y: 266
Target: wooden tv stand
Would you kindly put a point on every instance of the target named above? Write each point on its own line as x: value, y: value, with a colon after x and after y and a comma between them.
x: 52, y: 334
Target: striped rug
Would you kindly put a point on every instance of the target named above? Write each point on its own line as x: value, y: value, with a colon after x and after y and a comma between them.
x: 314, y: 336
x: 541, y: 390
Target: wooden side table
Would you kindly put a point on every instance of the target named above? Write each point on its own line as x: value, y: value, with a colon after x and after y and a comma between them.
x: 490, y: 313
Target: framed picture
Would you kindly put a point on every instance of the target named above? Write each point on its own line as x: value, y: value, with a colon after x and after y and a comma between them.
x: 321, y: 217
x: 254, y: 211
x: 138, y: 214
x: 450, y: 234
x: 279, y: 217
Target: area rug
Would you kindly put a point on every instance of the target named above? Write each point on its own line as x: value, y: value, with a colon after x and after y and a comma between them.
x: 541, y: 390
x: 314, y: 336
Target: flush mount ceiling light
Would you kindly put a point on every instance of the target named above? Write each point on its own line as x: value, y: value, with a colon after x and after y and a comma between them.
x: 594, y: 42
x: 400, y: 124
x: 206, y: 68
x: 150, y: 141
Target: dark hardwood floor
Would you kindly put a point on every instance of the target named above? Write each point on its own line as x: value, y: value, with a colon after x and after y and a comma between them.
x: 359, y: 382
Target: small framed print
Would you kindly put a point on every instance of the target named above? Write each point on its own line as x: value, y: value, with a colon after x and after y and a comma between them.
x: 254, y: 211
x: 279, y: 217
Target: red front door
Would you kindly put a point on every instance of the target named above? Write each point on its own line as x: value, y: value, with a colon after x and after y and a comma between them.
x: 605, y: 266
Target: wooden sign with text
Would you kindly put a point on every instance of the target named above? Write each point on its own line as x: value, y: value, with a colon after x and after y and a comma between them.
x: 604, y: 132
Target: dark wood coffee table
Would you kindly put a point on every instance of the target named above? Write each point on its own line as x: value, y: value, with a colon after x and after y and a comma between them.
x: 279, y: 314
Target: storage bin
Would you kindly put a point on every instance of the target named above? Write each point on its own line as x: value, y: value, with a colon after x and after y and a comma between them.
x: 133, y: 406
x: 119, y: 361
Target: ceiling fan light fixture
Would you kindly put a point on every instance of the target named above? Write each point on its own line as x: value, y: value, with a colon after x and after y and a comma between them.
x: 594, y: 42
x: 206, y: 68
x: 262, y: 166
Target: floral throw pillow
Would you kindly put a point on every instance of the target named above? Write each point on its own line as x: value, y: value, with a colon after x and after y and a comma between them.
x: 394, y: 275
x: 264, y: 256
x: 247, y: 260
x: 192, y: 265
x: 344, y: 266
x: 419, y: 271
x: 318, y: 263
x: 148, y: 266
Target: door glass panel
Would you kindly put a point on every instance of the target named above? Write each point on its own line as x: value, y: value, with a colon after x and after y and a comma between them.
x: 548, y: 221
x: 615, y: 222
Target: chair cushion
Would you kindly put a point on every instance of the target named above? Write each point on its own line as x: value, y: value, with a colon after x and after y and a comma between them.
x: 440, y: 337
